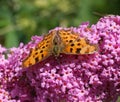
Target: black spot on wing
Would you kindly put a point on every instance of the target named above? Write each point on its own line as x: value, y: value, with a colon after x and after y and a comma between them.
x: 66, y: 40
x: 71, y: 49
x: 42, y: 55
x: 41, y: 51
x: 36, y: 59
x: 30, y: 64
x: 36, y: 53
x: 78, y: 44
x: 66, y: 37
x: 36, y: 49
x: 78, y: 40
x: 78, y: 50
x: 72, y: 45
x: 70, y: 41
x: 47, y: 41
x: 43, y: 47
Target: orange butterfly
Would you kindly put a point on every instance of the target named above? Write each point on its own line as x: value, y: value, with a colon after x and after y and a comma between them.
x: 56, y: 42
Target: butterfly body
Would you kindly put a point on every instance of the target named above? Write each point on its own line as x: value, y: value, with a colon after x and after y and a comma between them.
x: 57, y: 42
x: 57, y: 45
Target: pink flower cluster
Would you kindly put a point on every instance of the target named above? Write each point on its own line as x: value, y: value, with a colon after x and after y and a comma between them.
x: 71, y: 78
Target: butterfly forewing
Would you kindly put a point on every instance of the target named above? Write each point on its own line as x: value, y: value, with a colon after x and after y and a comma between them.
x: 41, y: 51
x: 67, y: 37
x: 74, y: 44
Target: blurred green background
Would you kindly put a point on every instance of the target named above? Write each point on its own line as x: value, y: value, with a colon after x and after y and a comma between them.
x: 20, y: 19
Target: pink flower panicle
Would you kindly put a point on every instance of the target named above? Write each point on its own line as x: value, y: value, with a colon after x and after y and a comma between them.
x: 70, y: 78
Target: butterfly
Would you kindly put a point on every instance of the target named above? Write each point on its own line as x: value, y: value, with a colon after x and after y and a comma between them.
x: 57, y: 42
